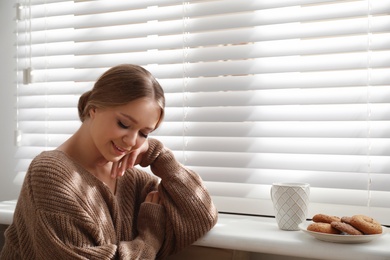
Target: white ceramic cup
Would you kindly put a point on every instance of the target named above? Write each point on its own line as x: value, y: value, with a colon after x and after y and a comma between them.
x: 291, y: 201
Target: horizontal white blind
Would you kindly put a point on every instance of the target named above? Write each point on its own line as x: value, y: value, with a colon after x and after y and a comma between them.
x: 262, y: 92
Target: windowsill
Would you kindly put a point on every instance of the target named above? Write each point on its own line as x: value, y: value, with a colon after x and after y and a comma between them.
x: 259, y: 234
x: 7, y: 209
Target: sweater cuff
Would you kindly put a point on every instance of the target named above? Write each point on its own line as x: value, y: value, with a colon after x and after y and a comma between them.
x: 155, y: 148
x: 161, y: 160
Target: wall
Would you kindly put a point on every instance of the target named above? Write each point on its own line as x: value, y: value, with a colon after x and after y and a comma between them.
x: 7, y: 101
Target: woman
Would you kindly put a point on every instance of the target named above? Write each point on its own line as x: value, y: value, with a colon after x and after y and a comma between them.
x: 85, y: 200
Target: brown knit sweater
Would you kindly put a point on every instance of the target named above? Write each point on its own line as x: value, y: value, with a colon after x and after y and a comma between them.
x: 64, y: 212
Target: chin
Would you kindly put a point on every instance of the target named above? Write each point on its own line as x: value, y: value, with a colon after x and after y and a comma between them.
x: 116, y: 159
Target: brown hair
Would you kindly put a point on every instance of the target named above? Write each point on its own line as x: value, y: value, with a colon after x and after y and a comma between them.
x: 120, y: 85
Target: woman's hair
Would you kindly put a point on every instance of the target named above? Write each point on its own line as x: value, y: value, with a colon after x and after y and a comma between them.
x: 120, y: 85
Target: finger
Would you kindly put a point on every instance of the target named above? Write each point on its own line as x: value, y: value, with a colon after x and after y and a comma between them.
x: 153, y: 197
x: 149, y: 197
x: 123, y: 165
x: 131, y: 159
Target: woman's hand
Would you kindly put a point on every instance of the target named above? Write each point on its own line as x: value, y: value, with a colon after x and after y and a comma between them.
x: 129, y: 160
x: 153, y: 197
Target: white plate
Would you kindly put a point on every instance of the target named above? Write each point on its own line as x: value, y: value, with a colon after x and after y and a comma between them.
x: 346, y: 239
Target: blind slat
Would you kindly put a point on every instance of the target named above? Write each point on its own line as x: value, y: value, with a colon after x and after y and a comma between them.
x: 341, y: 163
x: 317, y: 195
x: 217, y: 68
x: 325, y: 96
x: 240, y: 114
x: 249, y: 16
x: 310, y: 129
x: 290, y: 145
x: 325, y: 129
x: 332, y: 79
x: 289, y: 48
x: 232, y: 36
x: 259, y: 49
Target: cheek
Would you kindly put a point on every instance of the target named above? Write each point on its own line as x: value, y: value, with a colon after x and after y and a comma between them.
x: 115, y: 132
x: 105, y: 133
x: 139, y: 143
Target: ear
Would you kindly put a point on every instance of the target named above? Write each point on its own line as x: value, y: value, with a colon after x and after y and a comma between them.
x: 92, y: 112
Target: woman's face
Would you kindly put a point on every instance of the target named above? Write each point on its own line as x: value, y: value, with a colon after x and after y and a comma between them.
x: 116, y: 131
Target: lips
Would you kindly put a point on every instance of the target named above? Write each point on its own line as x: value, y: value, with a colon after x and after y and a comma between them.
x: 119, y: 149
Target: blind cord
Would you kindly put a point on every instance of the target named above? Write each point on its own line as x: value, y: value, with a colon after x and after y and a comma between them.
x: 369, y: 143
x: 185, y: 78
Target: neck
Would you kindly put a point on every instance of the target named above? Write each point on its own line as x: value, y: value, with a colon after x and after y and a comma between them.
x: 82, y: 149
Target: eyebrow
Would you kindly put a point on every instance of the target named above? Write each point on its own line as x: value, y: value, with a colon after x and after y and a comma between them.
x: 135, y: 121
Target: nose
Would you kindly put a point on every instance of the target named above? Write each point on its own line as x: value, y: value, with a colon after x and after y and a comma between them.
x: 130, y: 139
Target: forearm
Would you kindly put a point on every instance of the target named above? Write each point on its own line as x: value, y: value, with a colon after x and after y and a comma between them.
x: 151, y: 234
x: 57, y: 235
x: 189, y: 207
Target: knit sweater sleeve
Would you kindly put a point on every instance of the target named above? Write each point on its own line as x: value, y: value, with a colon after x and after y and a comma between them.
x: 150, y: 234
x: 58, y: 216
x: 190, y: 212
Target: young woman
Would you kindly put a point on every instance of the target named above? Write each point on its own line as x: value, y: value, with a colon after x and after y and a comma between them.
x: 85, y: 200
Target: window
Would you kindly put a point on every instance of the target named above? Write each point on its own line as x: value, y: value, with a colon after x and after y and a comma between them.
x: 257, y: 92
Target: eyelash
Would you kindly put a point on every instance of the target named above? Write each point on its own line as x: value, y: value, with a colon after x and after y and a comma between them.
x: 123, y: 126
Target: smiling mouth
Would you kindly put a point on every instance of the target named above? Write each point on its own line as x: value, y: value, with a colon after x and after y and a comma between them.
x: 120, y: 149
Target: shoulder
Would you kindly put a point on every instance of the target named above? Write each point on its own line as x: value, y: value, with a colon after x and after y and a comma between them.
x: 51, y: 165
x: 51, y: 161
x: 51, y: 177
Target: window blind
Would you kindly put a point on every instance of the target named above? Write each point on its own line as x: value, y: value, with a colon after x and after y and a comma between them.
x: 257, y: 91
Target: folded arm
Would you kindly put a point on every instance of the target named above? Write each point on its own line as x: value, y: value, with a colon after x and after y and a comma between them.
x: 188, y: 205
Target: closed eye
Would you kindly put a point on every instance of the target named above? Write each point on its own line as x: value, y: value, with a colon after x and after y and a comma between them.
x: 143, y: 135
x: 121, y: 125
